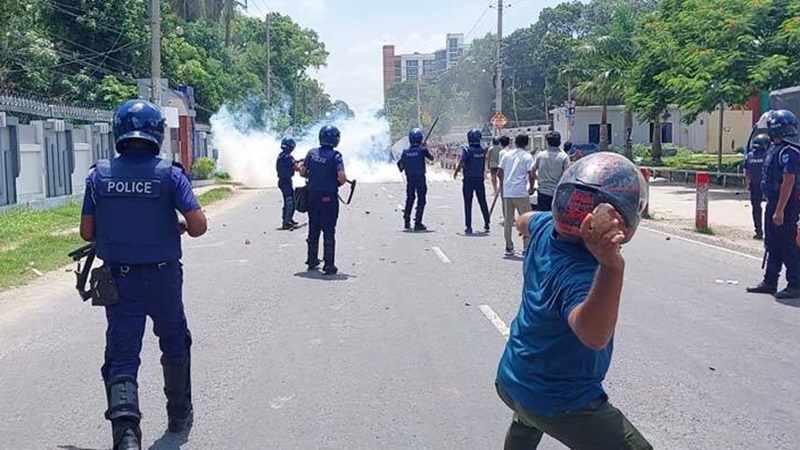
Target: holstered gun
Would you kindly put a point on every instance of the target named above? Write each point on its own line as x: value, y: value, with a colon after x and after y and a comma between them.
x: 102, y: 286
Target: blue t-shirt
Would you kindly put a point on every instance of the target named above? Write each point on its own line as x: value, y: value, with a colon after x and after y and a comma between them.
x: 545, y: 368
x: 183, y: 195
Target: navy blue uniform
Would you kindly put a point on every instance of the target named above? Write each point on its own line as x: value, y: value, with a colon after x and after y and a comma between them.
x: 754, y: 165
x: 473, y: 158
x: 779, y: 240
x: 133, y: 199
x: 413, y: 162
x: 285, y: 167
x: 323, y: 165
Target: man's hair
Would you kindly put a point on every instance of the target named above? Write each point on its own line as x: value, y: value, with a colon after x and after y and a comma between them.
x: 553, y: 139
x: 522, y: 141
x: 505, y: 140
x: 567, y: 146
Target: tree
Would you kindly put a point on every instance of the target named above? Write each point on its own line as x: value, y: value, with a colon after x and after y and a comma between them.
x: 341, y: 109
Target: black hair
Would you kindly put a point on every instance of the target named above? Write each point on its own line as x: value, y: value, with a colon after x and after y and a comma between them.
x: 505, y: 140
x: 553, y: 139
x: 567, y: 146
x: 522, y: 141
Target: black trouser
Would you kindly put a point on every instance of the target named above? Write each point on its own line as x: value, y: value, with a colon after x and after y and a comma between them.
x: 323, y: 213
x: 779, y: 242
x: 285, y: 185
x: 756, y: 197
x: 474, y: 185
x: 544, y: 202
x: 416, y: 186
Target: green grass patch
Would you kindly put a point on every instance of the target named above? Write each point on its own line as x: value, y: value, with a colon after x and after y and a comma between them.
x: 214, y: 195
x: 46, y: 252
x: 19, y: 224
x: 708, y: 231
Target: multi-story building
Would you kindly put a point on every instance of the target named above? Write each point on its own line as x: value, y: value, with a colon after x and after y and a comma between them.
x: 424, y: 66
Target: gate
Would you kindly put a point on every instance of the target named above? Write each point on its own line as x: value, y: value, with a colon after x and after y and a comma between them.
x: 9, y: 159
x: 102, y: 147
x: 59, y: 157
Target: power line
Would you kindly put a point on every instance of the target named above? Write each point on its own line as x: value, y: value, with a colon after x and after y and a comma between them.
x: 477, y: 22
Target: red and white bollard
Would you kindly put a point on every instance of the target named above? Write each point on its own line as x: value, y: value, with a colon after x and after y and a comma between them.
x: 701, y: 209
x: 646, y: 175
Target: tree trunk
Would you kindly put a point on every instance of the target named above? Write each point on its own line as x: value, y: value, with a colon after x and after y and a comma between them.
x: 230, y: 7
x: 628, y: 148
x: 721, y: 130
x: 604, y: 127
x: 656, y: 148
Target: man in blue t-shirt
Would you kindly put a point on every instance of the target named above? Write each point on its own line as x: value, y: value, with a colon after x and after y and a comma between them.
x: 561, y: 341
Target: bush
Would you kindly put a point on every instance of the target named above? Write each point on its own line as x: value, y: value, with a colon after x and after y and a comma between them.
x: 222, y: 176
x: 203, y: 168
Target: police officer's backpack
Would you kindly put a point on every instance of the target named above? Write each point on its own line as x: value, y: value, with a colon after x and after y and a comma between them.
x: 301, y: 199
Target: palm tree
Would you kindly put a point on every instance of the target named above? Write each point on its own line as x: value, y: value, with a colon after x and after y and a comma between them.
x: 598, y: 89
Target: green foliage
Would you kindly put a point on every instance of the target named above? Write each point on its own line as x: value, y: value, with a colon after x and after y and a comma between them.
x: 203, y: 168
x: 95, y: 50
x: 214, y: 195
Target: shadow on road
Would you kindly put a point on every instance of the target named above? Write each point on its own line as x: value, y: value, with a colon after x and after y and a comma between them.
x: 794, y: 303
x: 474, y: 235
x: 171, y: 441
x: 418, y: 232
x: 316, y: 275
x: 514, y: 258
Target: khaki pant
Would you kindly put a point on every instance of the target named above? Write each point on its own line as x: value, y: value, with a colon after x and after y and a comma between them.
x: 521, y: 205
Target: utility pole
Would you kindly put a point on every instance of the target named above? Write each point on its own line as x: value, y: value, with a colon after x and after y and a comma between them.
x: 155, y: 51
x: 268, y: 76
x: 419, y: 101
x: 499, y: 82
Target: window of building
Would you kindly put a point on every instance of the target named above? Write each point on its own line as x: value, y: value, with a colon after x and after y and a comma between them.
x: 412, y: 63
x: 412, y: 72
x: 666, y: 132
x: 594, y: 133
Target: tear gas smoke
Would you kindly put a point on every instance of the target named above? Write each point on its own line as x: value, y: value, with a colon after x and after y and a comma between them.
x: 247, y: 152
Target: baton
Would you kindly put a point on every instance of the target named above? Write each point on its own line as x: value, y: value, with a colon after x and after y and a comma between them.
x: 764, y: 261
x: 430, y: 130
x: 494, y: 202
x: 352, y: 190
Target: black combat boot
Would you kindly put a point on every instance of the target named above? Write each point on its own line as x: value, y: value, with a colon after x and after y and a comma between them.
x: 313, y: 255
x: 178, y: 389
x: 407, y: 223
x: 123, y: 412
x: 419, y: 226
x: 790, y: 293
x: 329, y: 251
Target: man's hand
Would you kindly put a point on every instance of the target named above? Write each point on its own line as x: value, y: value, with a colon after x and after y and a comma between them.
x: 522, y: 224
x: 531, y: 190
x: 455, y: 175
x: 182, y: 227
x: 603, y: 236
x: 777, y: 218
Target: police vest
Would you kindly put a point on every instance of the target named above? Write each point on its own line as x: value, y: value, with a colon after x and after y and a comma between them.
x: 772, y: 175
x: 755, y: 166
x: 285, y: 166
x: 476, y: 162
x: 414, y: 160
x: 321, y: 166
x: 135, y: 218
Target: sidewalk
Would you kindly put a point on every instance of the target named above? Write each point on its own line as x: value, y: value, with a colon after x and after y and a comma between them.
x: 672, y: 206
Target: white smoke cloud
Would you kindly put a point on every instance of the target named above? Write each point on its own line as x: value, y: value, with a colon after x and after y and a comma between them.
x: 249, y: 155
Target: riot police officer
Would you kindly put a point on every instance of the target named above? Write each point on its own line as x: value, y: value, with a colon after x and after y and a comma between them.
x: 324, y: 169
x: 780, y: 185
x: 473, y: 161
x: 753, y: 166
x: 412, y: 162
x: 286, y: 168
x: 129, y: 213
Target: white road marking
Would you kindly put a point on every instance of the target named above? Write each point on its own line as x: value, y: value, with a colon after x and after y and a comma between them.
x: 495, y: 319
x: 673, y: 236
x: 441, y: 254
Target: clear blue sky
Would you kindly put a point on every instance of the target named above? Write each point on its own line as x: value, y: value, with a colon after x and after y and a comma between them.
x: 355, y: 30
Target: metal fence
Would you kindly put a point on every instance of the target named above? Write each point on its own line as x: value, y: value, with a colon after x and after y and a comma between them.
x: 15, y: 103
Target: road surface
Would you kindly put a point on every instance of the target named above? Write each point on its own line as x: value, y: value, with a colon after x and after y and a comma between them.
x: 398, y: 351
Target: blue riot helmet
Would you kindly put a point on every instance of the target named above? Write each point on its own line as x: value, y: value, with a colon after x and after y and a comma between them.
x: 474, y: 136
x: 782, y: 124
x: 761, y: 142
x: 415, y: 137
x: 288, y: 144
x: 329, y: 136
x: 141, y: 120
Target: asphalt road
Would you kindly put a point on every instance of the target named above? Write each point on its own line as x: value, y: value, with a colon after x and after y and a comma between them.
x: 397, y: 352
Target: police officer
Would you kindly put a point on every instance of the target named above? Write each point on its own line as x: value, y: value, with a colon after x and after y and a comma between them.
x: 413, y: 162
x: 286, y: 168
x: 473, y: 161
x: 753, y: 166
x: 129, y: 213
x: 780, y: 185
x: 324, y: 169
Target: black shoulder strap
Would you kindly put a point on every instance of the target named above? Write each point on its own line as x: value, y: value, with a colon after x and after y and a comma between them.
x: 179, y: 166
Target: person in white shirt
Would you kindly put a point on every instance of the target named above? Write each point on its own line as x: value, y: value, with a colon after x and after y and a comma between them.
x: 516, y: 182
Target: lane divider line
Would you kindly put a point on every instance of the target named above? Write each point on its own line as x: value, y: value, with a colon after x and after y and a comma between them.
x: 716, y: 247
x: 441, y: 255
x: 496, y: 320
